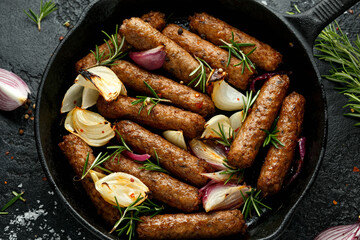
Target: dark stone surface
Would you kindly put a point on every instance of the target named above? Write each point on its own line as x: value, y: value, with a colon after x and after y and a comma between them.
x: 25, y: 51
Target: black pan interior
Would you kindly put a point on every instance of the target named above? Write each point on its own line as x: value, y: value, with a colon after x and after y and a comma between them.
x: 248, y: 16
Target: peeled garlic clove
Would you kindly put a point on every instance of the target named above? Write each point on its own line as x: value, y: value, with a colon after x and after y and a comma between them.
x: 212, y: 126
x: 89, y: 98
x: 176, y: 138
x: 226, y: 97
x: 93, y: 128
x: 122, y: 186
x: 209, y: 153
x: 104, y: 80
x: 223, y: 197
x: 235, y: 121
x: 72, y: 98
x: 13, y: 91
x: 221, y: 176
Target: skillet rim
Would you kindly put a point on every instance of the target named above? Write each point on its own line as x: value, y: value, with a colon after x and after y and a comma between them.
x: 290, y: 27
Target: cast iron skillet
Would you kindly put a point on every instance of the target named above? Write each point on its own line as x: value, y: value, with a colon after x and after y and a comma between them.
x: 292, y: 35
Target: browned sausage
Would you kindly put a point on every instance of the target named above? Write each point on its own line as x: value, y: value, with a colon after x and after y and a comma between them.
x: 76, y: 151
x: 162, y: 186
x: 143, y: 36
x: 251, y: 136
x: 180, y: 95
x: 174, y: 159
x: 155, y: 19
x: 192, y: 226
x: 278, y: 160
x: 213, y: 29
x: 213, y: 55
x: 162, y: 117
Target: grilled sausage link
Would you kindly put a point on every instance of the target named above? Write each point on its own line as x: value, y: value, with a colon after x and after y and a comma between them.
x: 174, y: 159
x: 213, y: 29
x: 251, y: 135
x: 155, y: 19
x: 143, y: 36
x: 161, y: 116
x: 278, y: 160
x: 76, y: 151
x: 213, y: 55
x: 192, y: 226
x: 162, y: 186
x: 180, y: 95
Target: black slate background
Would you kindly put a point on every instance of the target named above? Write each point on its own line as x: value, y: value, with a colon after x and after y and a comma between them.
x: 25, y: 51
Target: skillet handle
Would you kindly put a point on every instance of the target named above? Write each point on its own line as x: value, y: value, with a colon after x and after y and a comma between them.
x: 313, y: 21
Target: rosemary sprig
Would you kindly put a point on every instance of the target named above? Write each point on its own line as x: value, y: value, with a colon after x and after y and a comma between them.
x: 45, y: 9
x: 200, y: 78
x: 131, y: 214
x: 234, y: 49
x: 11, y: 202
x: 120, y: 148
x: 271, y: 136
x: 155, y: 167
x: 225, y: 140
x: 248, y: 101
x: 144, y: 100
x: 252, y: 202
x: 335, y: 47
x: 115, y: 51
x: 100, y: 158
x: 238, y: 172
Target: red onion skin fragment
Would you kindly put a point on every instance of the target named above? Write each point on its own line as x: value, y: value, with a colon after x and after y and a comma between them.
x: 11, y: 80
x: 300, y: 162
x: 341, y: 232
x: 265, y: 77
x: 136, y: 157
x: 151, y: 59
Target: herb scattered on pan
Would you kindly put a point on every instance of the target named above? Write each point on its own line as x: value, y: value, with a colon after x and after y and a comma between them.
x: 130, y: 215
x: 225, y: 140
x: 155, y: 167
x: 336, y: 48
x: 11, y: 202
x: 100, y: 158
x: 238, y: 172
x: 271, y: 136
x: 249, y: 100
x: 253, y: 202
x: 147, y: 100
x: 200, y: 78
x: 296, y: 8
x: 45, y: 9
x: 234, y: 49
x: 114, y: 47
x: 119, y: 148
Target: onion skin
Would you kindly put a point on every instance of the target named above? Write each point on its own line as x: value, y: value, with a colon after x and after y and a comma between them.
x: 341, y: 232
x: 151, y: 59
x: 13, y: 91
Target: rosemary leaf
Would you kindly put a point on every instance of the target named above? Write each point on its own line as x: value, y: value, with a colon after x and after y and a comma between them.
x: 224, y: 139
x: 200, y: 79
x: 11, y: 202
x: 151, y: 166
x: 271, y: 136
x: 249, y: 100
x: 145, y: 100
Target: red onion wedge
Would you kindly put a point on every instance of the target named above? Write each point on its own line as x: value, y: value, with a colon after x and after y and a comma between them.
x: 13, y: 91
x: 136, y: 157
x: 341, y: 232
x: 217, y: 196
x: 151, y: 59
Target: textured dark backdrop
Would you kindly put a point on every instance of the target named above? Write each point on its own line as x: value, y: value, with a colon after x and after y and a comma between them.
x: 25, y: 51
